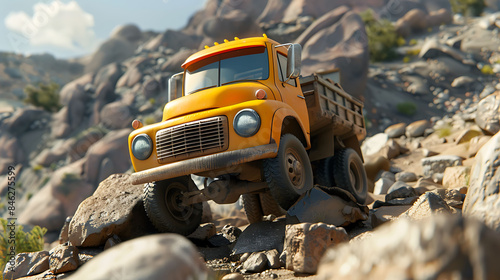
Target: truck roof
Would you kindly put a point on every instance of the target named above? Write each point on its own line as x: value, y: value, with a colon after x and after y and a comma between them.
x: 227, y: 46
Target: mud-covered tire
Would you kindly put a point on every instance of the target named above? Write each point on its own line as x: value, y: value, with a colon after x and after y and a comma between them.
x: 258, y: 205
x: 350, y: 173
x: 162, y: 204
x: 290, y: 173
x: 323, y: 172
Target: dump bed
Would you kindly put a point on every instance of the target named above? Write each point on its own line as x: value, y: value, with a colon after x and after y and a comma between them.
x: 328, y: 104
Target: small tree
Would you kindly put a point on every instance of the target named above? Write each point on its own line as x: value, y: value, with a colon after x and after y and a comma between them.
x: 471, y: 8
x: 382, y: 37
x: 24, y: 241
x: 45, y: 96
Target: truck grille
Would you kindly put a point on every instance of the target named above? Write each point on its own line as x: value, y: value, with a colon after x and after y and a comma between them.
x: 192, y: 139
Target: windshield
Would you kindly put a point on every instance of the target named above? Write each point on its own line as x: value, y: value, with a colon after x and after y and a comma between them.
x: 241, y: 65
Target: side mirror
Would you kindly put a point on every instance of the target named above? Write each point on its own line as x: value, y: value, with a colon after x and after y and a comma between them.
x: 175, y: 86
x: 294, y: 60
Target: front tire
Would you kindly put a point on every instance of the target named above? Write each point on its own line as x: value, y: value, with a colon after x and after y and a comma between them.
x: 288, y: 175
x: 162, y: 202
x: 350, y: 174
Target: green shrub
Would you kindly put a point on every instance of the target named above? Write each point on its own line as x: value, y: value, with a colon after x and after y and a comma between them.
x: 444, y: 131
x: 45, y: 96
x: 487, y: 70
x: 407, y: 108
x: 24, y: 241
x: 37, y: 167
x: 382, y: 37
x: 471, y: 8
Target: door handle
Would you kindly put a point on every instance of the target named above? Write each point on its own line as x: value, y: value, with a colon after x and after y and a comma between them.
x: 300, y: 96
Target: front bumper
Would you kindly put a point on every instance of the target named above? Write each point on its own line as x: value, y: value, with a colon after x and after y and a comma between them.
x: 205, y: 163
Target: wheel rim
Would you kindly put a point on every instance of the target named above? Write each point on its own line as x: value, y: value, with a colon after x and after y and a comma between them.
x: 173, y: 202
x: 355, y: 177
x: 295, y: 168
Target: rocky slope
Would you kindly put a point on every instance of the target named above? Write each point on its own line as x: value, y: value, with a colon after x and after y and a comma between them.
x: 433, y: 126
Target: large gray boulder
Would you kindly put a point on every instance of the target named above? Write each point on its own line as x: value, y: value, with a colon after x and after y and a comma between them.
x: 489, y: 117
x: 337, y: 40
x: 483, y: 197
x: 154, y: 257
x: 57, y: 199
x: 439, y: 247
x: 115, y: 208
x: 107, y: 156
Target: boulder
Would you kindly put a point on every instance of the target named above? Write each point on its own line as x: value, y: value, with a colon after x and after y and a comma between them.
x: 305, y: 244
x: 115, y: 49
x: 386, y: 214
x: 406, y: 176
x: 174, y: 40
x: 11, y: 152
x: 23, y: 119
x: 489, y: 118
x: 27, y: 264
x: 203, y: 232
x: 315, y: 8
x: 57, y: 199
x: 373, y: 145
x: 483, y: 197
x: 456, y: 176
x: 109, y: 73
x: 256, y: 262
x: 438, y: 164
x: 396, y: 130
x: 130, y: 78
x: 150, y: 257
x: 439, y: 17
x: 114, y: 208
x: 417, y: 128
x: 438, y: 247
x: 129, y: 32
x: 107, y: 156
x: 232, y: 23
x: 173, y: 63
x: 382, y: 186
x: 116, y: 115
x: 433, y: 49
x: 411, y: 23
x: 340, y: 44
x: 428, y: 204
x: 338, y: 207
x: 63, y: 259
x: 274, y: 11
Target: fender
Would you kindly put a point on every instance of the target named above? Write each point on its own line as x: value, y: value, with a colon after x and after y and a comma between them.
x: 277, y: 125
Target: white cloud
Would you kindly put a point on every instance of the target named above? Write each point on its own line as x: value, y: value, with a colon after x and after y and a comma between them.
x: 53, y: 24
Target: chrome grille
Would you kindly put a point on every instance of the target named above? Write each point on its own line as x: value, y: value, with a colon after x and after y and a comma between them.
x: 192, y: 139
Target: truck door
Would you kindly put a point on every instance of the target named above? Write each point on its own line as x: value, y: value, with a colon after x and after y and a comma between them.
x: 290, y: 90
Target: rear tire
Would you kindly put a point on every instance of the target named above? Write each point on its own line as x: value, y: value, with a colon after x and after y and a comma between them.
x: 323, y: 172
x: 252, y: 207
x: 350, y: 174
x: 290, y: 173
x: 258, y: 205
x: 162, y: 204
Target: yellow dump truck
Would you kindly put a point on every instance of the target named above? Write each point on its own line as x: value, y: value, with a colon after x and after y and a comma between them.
x: 245, y: 121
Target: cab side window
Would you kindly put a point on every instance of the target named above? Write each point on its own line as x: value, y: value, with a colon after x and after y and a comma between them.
x: 282, y: 61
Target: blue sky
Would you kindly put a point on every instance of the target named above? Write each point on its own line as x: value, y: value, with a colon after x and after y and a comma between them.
x: 71, y: 28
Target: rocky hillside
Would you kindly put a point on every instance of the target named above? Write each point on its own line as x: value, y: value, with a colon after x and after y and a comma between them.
x: 433, y: 117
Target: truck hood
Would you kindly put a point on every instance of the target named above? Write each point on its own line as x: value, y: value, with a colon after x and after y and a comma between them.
x: 213, y: 98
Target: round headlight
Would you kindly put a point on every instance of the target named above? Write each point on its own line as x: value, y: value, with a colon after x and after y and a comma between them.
x: 142, y: 146
x: 246, y: 122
